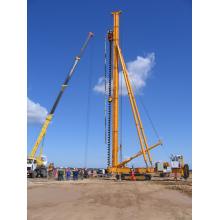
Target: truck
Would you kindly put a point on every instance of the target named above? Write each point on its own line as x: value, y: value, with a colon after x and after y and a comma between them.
x: 176, y: 167
x: 36, y: 170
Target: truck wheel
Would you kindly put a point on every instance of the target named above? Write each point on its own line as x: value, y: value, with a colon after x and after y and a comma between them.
x: 162, y: 175
x: 43, y: 173
x: 147, y: 177
x: 186, y: 171
x: 34, y: 174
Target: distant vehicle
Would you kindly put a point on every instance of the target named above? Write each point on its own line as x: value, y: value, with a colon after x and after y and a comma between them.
x: 163, y: 168
x: 36, y: 170
x: 101, y: 172
x: 176, y: 167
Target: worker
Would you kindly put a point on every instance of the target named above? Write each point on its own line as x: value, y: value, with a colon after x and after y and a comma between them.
x: 132, y: 175
x: 55, y: 173
x: 86, y: 173
x: 60, y: 174
x: 64, y: 173
x: 68, y: 174
x: 75, y: 174
x: 89, y: 173
x: 81, y: 174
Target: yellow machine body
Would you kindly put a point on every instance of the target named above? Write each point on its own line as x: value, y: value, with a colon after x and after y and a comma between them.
x: 38, y: 141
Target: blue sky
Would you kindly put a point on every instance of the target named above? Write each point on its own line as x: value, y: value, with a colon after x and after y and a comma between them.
x: 56, y: 31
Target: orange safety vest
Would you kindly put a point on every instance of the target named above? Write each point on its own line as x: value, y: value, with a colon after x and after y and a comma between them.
x: 132, y: 175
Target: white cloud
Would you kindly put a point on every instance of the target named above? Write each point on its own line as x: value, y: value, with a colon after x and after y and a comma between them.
x: 36, y: 113
x: 138, y: 70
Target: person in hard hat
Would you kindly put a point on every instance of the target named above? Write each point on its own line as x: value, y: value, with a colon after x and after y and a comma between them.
x: 81, y: 174
x: 55, y: 174
x: 132, y: 175
x: 68, y: 173
x: 77, y: 174
x: 74, y: 174
x: 60, y: 174
x: 86, y: 173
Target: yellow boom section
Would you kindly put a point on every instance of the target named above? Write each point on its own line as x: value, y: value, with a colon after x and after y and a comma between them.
x: 41, y: 135
x: 122, y: 164
x: 138, y: 123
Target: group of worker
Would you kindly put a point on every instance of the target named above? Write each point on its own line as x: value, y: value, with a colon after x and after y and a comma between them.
x: 65, y: 174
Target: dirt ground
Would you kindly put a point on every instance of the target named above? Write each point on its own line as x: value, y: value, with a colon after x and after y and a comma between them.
x: 109, y: 199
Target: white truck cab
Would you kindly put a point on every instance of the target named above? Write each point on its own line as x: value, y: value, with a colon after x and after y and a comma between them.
x: 33, y: 170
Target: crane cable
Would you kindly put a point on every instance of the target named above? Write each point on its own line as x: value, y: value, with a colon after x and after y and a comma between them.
x: 88, y: 106
x: 152, y: 124
x: 147, y: 113
x: 150, y: 119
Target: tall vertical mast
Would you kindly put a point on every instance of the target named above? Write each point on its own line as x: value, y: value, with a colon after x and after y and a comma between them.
x: 115, y: 89
x: 116, y: 166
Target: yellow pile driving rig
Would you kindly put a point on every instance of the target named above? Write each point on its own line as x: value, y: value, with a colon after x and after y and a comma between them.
x: 120, y: 169
x: 116, y: 58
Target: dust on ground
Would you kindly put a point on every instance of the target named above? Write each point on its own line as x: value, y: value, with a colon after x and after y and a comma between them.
x: 94, y: 199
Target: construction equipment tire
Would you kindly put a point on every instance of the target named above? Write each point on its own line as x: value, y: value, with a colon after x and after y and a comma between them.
x: 147, y: 177
x: 43, y: 173
x: 162, y: 175
x: 186, y: 171
x: 34, y: 174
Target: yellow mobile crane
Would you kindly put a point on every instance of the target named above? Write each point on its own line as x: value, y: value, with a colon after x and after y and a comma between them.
x: 116, y: 167
x: 36, y: 165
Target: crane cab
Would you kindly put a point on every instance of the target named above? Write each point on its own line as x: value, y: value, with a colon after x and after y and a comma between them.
x: 31, y: 166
